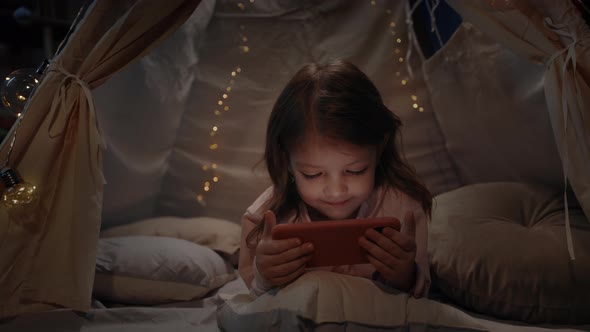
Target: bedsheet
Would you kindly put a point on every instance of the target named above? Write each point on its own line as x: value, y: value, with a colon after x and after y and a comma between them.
x: 310, y: 303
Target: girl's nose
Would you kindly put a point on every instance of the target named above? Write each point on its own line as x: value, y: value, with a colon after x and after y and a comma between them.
x: 335, y: 188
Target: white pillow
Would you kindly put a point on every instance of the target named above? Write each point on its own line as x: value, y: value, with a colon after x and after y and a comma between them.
x: 217, y: 234
x: 154, y: 270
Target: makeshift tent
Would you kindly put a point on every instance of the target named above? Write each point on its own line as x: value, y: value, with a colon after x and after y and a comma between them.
x: 502, y: 101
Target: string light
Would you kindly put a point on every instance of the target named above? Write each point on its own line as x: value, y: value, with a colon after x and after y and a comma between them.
x: 223, y: 101
x: 397, y: 42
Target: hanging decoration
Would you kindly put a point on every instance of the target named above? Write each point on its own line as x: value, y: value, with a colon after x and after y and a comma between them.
x: 20, y: 198
x: 19, y: 86
x: 222, y: 106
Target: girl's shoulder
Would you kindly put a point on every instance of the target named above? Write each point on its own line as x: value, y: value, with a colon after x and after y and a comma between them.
x: 394, y: 202
x: 256, y: 211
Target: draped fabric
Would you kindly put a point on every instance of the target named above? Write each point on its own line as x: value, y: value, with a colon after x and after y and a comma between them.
x: 554, y: 34
x: 58, y: 148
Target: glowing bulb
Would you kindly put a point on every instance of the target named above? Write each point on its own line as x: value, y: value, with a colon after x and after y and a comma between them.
x: 19, y: 86
x: 20, y: 199
x: 215, y: 179
x: 17, y: 89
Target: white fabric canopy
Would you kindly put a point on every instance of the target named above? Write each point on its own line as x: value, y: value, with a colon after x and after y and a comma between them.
x: 552, y: 33
x: 58, y: 148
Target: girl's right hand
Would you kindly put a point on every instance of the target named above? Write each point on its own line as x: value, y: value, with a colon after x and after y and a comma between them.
x: 280, y: 261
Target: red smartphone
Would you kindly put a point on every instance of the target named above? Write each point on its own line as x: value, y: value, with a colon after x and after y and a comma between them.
x: 335, y: 242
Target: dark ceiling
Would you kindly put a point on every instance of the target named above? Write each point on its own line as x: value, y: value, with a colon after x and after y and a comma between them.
x: 30, y: 31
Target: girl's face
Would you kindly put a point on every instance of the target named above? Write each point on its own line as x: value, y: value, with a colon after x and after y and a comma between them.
x: 333, y: 178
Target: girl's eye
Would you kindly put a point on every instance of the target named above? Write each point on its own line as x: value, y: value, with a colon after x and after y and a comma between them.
x: 357, y: 172
x: 311, y: 176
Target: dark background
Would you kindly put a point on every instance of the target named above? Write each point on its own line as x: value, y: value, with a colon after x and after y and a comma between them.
x: 26, y: 42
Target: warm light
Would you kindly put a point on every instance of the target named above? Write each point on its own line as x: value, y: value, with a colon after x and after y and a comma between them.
x: 399, y: 40
x: 404, y: 82
x: 401, y: 59
x: 21, y: 97
x: 233, y: 73
x: 246, y: 49
x: 200, y: 198
x: 220, y: 102
x: 8, y: 78
x: 207, y: 184
x: 214, y: 166
x: 224, y: 96
x: 421, y: 109
x: 373, y: 2
x: 414, y: 97
x: 228, y: 89
x: 392, y: 24
x: 226, y: 108
x: 213, y: 146
x: 205, y: 167
x: 415, y: 106
x: 206, y: 188
x: 215, y: 128
x: 215, y: 179
x: 217, y: 112
x: 241, y: 5
x: 244, y: 39
x: 20, y: 199
x: 239, y: 70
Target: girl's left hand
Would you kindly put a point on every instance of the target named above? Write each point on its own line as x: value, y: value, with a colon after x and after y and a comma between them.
x: 393, y: 252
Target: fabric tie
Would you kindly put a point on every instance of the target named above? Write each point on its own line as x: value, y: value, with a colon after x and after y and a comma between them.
x: 60, y: 98
x: 566, y: 91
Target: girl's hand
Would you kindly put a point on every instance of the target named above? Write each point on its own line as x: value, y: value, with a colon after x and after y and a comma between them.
x: 393, y: 252
x: 280, y: 261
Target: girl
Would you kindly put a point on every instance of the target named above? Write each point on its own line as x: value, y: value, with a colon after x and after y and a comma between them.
x: 331, y: 154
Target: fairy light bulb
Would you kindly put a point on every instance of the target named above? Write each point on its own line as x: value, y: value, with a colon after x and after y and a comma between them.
x: 20, y: 198
x: 19, y: 86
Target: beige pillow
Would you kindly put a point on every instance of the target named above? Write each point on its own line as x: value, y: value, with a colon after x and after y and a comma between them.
x: 218, y: 234
x: 500, y: 249
x: 154, y: 270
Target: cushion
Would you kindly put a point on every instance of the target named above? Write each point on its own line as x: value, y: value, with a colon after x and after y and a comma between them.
x: 154, y: 270
x: 327, y: 301
x: 500, y: 249
x: 217, y: 234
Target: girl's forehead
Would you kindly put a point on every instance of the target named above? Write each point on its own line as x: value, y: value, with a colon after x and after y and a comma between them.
x: 318, y: 147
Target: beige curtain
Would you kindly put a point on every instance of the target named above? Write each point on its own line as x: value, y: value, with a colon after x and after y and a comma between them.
x: 551, y: 33
x: 58, y: 148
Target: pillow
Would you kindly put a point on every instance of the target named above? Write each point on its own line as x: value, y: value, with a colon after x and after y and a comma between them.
x: 500, y: 249
x: 327, y: 301
x: 154, y: 270
x: 217, y: 234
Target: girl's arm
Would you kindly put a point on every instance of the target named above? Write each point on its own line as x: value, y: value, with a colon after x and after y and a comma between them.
x: 279, y: 261
x: 246, y: 262
x: 399, y: 257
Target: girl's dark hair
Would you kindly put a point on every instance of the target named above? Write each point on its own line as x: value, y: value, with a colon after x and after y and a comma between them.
x: 340, y: 102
